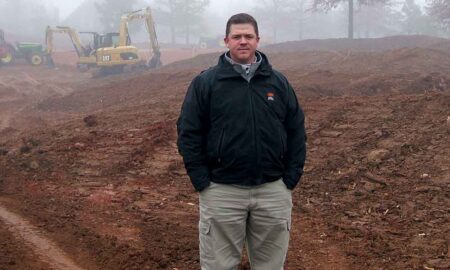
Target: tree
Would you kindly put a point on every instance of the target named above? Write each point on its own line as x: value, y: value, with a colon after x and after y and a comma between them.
x: 298, y: 15
x: 184, y: 15
x: 377, y: 20
x: 110, y: 12
x: 440, y: 9
x: 191, y: 15
x: 330, y: 4
x: 412, y: 16
x: 169, y: 7
x: 275, y: 13
x: 31, y: 16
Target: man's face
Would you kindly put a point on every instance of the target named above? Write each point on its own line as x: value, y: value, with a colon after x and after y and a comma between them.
x: 242, y: 42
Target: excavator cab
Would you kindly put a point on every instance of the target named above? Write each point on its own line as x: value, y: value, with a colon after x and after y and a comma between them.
x: 92, y: 44
x: 111, y: 40
x: 107, y: 41
x: 103, y: 41
x: 99, y: 41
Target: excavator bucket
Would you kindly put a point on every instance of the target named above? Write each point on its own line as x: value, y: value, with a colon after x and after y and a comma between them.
x: 155, y: 61
x: 50, y: 62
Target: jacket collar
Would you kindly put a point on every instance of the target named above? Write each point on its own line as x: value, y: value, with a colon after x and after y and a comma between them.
x: 225, y: 68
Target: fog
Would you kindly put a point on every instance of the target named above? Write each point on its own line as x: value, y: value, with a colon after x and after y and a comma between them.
x: 25, y: 20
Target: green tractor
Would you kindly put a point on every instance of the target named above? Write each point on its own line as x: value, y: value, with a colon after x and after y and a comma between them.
x: 32, y: 52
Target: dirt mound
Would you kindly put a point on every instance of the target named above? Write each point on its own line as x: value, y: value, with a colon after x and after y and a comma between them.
x: 393, y: 58
x: 101, y: 175
x: 134, y: 90
x: 393, y: 61
x: 199, y: 62
x: 311, y: 74
x: 384, y: 166
x: 361, y: 45
x: 322, y: 73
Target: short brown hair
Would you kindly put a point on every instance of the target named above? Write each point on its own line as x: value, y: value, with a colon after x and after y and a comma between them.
x: 241, y: 18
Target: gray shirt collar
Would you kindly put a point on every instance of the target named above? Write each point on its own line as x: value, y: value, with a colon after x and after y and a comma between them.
x: 247, y: 71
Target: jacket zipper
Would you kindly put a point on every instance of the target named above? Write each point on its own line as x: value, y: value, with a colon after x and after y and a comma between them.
x: 253, y: 125
x: 219, y: 148
x: 282, y: 143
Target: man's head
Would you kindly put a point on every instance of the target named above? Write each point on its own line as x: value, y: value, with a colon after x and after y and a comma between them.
x: 242, y: 37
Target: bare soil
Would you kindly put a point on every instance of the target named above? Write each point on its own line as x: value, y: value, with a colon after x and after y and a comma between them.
x: 16, y: 255
x: 93, y: 163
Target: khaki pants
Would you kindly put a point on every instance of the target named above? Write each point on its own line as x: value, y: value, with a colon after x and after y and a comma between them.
x: 231, y: 215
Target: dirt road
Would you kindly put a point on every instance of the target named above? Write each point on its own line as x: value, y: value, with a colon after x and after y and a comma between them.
x: 47, y: 252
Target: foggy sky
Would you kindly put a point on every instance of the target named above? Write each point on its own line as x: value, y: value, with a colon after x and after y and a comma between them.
x: 223, y: 7
x: 273, y: 27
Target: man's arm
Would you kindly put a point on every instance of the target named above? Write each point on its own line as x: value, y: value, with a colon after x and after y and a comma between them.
x: 192, y: 128
x: 296, y: 141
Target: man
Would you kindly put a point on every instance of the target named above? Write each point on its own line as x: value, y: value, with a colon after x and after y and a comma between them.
x: 242, y: 137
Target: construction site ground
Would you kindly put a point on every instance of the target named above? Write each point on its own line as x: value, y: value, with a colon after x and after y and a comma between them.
x: 90, y: 176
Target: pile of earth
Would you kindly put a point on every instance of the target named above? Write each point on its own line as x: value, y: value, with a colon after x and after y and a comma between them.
x: 107, y: 184
x: 362, y: 45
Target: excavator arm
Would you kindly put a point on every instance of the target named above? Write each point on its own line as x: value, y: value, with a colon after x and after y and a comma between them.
x: 74, y: 37
x: 146, y: 16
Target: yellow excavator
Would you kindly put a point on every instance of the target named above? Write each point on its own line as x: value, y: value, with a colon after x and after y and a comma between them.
x: 110, y: 52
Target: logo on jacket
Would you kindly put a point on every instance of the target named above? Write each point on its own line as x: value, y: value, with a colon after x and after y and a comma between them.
x: 270, y: 96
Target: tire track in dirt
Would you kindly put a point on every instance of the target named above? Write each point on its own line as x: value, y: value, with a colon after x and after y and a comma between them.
x: 43, y: 247
x: 5, y: 121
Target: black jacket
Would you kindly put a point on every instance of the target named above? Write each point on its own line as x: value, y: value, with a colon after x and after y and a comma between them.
x: 236, y: 132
